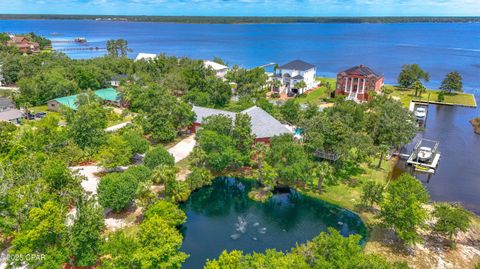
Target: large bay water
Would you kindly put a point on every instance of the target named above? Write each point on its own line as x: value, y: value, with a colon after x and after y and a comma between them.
x: 438, y: 48
x: 222, y: 217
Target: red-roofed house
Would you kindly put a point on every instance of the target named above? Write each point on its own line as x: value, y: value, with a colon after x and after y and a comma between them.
x: 357, y: 82
x: 23, y: 44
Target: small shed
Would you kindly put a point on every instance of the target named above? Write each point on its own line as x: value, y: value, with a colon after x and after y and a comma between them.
x: 108, y: 95
x: 14, y: 116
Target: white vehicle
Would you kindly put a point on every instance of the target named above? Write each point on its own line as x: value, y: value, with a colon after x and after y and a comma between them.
x: 420, y: 113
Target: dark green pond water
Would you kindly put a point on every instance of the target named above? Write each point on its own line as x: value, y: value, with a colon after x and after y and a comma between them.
x: 222, y: 217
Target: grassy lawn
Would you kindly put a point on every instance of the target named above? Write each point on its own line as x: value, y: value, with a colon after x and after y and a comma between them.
x: 37, y: 109
x: 318, y: 95
x: 348, y: 196
x: 406, y: 96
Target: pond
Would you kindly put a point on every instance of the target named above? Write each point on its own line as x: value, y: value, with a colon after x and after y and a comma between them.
x: 222, y: 217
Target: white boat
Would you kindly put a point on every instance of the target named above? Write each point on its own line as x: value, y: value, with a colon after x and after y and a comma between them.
x: 420, y: 113
x: 425, y: 154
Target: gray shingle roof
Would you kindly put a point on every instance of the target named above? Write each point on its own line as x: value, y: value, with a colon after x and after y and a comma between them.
x: 263, y: 124
x: 297, y: 77
x: 203, y: 112
x: 11, y: 114
x: 297, y: 65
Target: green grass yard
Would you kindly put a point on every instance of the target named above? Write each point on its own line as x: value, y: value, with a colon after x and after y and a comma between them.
x: 318, y: 95
x: 405, y: 96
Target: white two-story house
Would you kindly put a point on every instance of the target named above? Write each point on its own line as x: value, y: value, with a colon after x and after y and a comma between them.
x: 293, y: 72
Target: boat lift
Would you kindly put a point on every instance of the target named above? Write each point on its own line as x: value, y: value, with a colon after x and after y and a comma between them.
x: 425, y: 156
x: 420, y: 110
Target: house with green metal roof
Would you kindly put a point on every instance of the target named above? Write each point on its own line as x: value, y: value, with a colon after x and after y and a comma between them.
x: 109, y: 96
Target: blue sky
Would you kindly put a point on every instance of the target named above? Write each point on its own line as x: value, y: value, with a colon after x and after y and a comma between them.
x: 247, y: 7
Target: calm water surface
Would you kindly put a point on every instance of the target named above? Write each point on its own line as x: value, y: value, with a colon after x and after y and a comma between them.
x: 458, y: 175
x: 223, y: 217
x: 439, y: 48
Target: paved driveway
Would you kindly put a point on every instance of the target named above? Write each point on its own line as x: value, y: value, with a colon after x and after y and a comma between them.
x: 91, y: 182
x: 181, y: 150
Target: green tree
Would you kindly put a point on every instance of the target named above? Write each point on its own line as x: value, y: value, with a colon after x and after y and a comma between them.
x: 372, y: 193
x: 410, y: 74
x: 164, y: 173
x: 161, y: 114
x: 116, y: 191
x: 115, y: 153
x: 289, y: 160
x: 118, y: 48
x: 452, y: 83
x: 291, y: 111
x: 135, y: 140
x: 402, y: 208
x: 158, y: 156
x: 242, y: 134
x: 300, y: 85
x: 87, y: 125
x: 159, y: 245
x: 60, y: 179
x: 118, y: 250
x: 7, y: 136
x: 418, y: 88
x: 144, y: 196
x: 44, y: 86
x: 177, y: 191
x: 248, y: 81
x: 451, y: 219
x: 168, y: 211
x: 43, y: 233
x: 220, y: 150
x: 441, y: 97
x: 85, y: 233
x: 271, y: 259
x: 325, y: 173
x: 198, y: 178
x: 139, y: 173
x: 390, y: 125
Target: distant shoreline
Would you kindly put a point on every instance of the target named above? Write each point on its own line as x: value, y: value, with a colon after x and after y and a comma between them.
x: 241, y: 20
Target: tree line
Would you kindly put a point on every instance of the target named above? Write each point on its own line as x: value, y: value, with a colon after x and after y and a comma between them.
x: 246, y: 19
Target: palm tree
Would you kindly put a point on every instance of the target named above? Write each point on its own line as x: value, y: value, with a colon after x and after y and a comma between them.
x: 300, y: 85
x: 275, y: 84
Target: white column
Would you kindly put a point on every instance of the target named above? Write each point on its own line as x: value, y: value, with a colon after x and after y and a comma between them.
x: 358, y: 87
x: 346, y: 83
x: 363, y: 87
x: 351, y: 84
